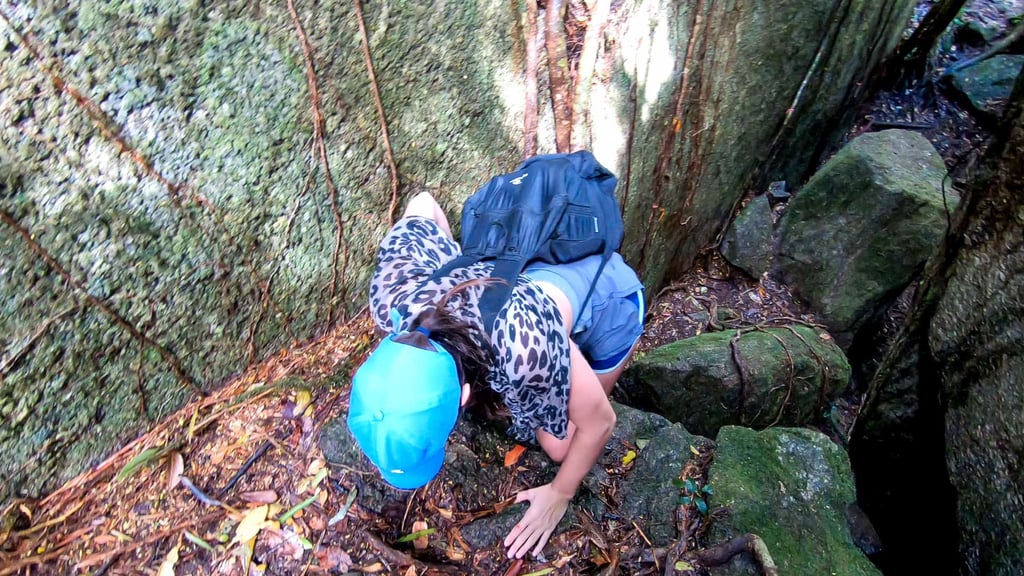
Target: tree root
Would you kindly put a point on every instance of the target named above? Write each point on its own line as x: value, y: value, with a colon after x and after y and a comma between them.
x: 320, y: 150
x: 558, y: 72
x: 389, y: 156
x: 530, y: 83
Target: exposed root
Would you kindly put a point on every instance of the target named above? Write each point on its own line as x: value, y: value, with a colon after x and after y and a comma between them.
x: 380, y: 112
x: 530, y: 82
x: 558, y: 72
x: 41, y: 252
x: 320, y: 150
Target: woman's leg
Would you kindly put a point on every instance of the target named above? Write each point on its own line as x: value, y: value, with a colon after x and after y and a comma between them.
x: 423, y: 204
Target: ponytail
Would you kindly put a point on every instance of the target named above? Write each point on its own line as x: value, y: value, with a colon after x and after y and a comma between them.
x: 463, y: 340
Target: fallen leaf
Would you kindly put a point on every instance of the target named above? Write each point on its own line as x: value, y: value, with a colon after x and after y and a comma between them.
x: 199, y: 542
x: 629, y: 457
x: 344, y: 509
x: 175, y: 466
x: 372, y: 568
x: 167, y: 566
x: 303, y: 400
x: 259, y: 496
x: 682, y: 565
x: 315, y: 520
x: 411, y: 571
x: 418, y: 534
x: 334, y: 559
x: 514, y: 454
x: 420, y: 543
x: 455, y: 553
x: 253, y: 521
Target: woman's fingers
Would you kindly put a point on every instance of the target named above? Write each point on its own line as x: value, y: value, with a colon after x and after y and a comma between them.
x: 542, y: 541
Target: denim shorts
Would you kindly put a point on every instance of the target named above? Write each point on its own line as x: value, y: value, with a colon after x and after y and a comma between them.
x: 613, y: 319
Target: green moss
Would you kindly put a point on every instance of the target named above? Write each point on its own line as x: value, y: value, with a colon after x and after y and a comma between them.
x: 790, y: 486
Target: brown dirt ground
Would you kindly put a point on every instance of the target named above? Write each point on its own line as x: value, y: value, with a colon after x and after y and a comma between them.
x: 110, y: 520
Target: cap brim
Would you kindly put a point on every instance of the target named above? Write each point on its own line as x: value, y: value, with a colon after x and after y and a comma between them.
x: 417, y: 477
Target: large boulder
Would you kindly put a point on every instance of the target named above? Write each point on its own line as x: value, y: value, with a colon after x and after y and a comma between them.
x: 747, y: 243
x: 792, y: 487
x: 858, y: 231
x: 986, y: 86
x: 757, y: 378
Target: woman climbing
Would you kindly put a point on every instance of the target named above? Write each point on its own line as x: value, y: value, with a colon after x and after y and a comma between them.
x: 408, y: 394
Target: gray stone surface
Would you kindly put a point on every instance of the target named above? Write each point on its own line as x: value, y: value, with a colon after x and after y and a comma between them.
x: 858, y: 231
x: 775, y: 376
x: 986, y: 86
x: 747, y: 243
x: 791, y: 487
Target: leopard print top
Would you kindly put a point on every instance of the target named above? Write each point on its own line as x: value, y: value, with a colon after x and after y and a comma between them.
x: 528, y: 342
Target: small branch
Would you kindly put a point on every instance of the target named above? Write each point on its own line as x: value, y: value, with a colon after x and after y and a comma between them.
x: 558, y: 73
x: 245, y: 467
x: 530, y: 82
x: 585, y: 74
x: 380, y: 112
x: 102, y: 306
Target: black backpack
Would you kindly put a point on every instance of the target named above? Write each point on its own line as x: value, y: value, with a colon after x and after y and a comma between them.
x: 555, y: 208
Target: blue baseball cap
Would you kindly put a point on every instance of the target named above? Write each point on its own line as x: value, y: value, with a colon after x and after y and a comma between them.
x: 404, y: 405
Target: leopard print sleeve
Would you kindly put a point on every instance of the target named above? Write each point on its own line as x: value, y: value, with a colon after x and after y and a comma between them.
x: 412, y: 250
x: 532, y: 367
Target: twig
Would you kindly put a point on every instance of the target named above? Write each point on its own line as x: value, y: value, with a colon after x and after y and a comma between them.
x: 648, y: 541
x: 530, y: 81
x: 585, y: 73
x: 99, y: 304
x: 321, y: 151
x: 380, y: 112
x: 558, y: 74
x: 245, y: 468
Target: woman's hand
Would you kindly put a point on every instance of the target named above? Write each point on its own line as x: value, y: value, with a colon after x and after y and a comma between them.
x: 547, y: 506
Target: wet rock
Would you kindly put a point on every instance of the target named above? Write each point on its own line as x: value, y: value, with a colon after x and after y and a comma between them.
x: 774, y: 376
x: 648, y: 494
x: 986, y: 86
x: 791, y: 487
x: 860, y: 229
x: 748, y: 241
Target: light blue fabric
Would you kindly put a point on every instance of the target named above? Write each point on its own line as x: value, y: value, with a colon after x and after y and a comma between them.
x: 611, y: 322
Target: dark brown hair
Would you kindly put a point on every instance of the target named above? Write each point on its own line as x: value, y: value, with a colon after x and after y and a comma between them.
x: 462, y: 339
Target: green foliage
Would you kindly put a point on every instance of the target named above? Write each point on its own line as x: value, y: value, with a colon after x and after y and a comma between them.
x: 417, y: 534
x: 693, y: 494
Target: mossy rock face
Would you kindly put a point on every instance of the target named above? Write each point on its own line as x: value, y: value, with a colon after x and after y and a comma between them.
x: 791, y: 487
x: 191, y: 198
x: 774, y: 376
x: 189, y: 201
x: 858, y: 231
